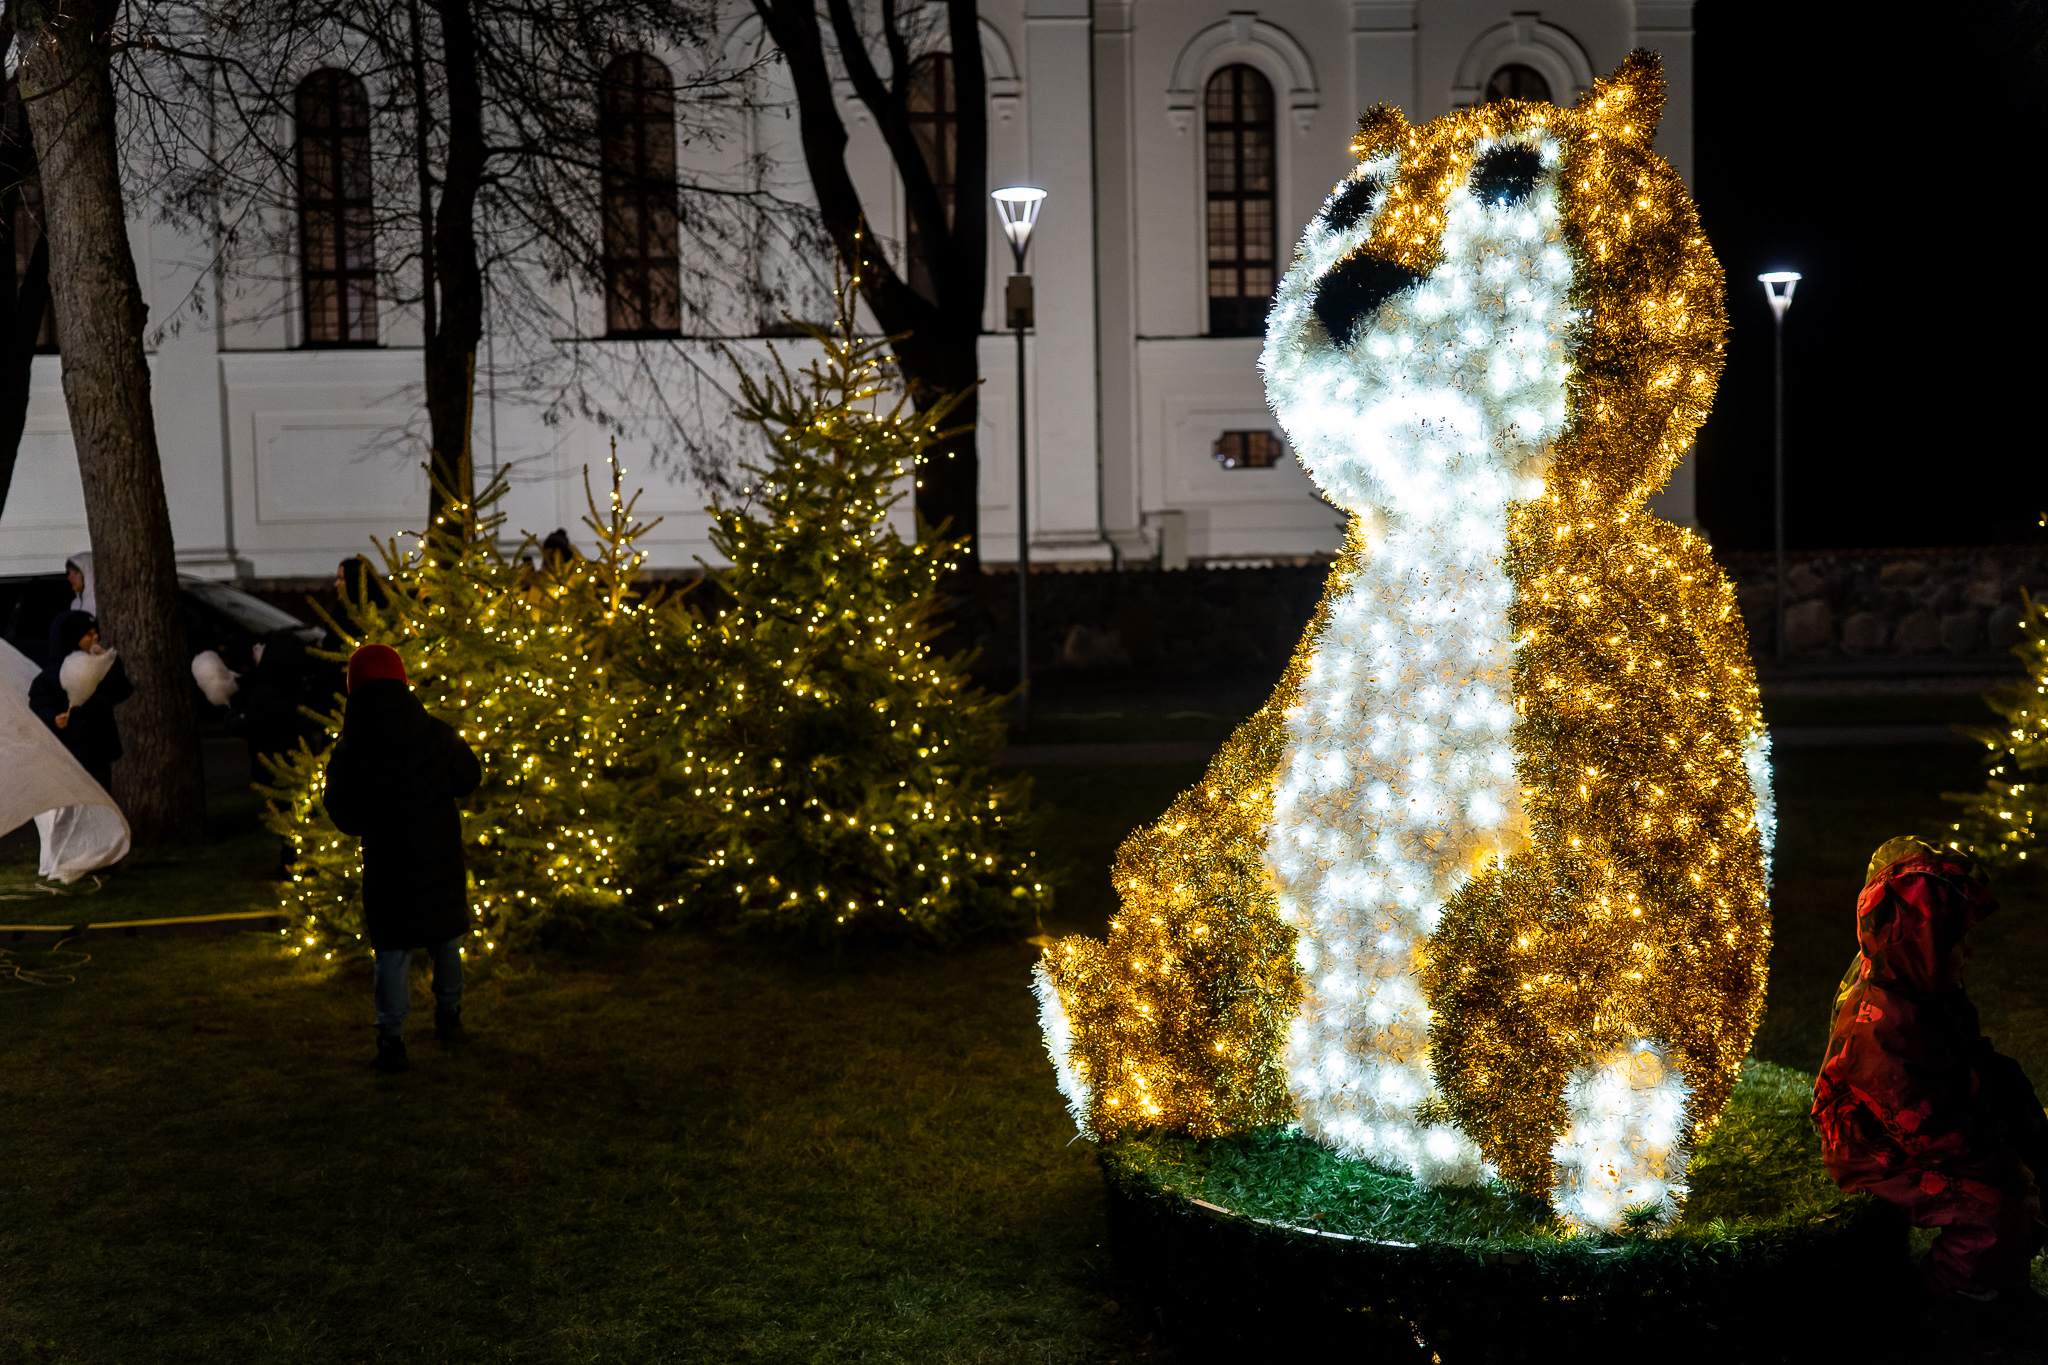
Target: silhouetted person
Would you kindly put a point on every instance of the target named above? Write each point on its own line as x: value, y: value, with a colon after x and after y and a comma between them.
x: 394, y: 779
x: 76, y: 694
x: 78, y: 573
x: 557, y: 550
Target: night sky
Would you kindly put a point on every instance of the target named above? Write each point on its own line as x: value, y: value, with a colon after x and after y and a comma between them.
x: 1898, y: 167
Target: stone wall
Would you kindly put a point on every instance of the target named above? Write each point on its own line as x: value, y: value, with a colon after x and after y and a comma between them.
x: 1144, y: 626
x: 1890, y: 604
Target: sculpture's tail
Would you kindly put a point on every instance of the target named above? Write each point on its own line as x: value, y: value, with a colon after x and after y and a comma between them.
x: 1175, y: 1020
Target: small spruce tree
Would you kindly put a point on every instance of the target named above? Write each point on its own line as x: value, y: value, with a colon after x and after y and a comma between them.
x: 541, y: 667
x: 848, y: 767
x: 2005, y: 825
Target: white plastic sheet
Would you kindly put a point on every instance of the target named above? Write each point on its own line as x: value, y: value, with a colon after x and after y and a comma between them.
x: 81, y: 826
x: 77, y: 839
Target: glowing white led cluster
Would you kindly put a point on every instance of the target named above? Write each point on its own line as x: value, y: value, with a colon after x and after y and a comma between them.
x: 1619, y: 1152
x: 1399, y: 778
x: 1059, y: 1045
x: 1756, y: 761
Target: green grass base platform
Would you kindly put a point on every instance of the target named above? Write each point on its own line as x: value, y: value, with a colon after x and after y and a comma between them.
x: 1267, y: 1243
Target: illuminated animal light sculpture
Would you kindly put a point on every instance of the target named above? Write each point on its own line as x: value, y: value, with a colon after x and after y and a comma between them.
x: 1482, y: 887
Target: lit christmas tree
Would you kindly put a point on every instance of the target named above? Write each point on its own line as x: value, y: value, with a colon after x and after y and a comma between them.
x: 558, y: 677
x: 2004, y: 824
x: 847, y: 768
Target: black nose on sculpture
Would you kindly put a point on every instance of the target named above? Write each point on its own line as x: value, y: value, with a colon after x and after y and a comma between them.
x: 1350, y: 293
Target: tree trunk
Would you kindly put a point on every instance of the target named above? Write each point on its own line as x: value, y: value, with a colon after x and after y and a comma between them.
x: 953, y: 473
x: 939, y: 352
x: 450, y: 359
x: 66, y: 83
x: 22, y: 306
x: 945, y: 360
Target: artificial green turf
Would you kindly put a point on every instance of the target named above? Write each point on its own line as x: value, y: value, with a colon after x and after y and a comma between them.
x: 1759, y: 1168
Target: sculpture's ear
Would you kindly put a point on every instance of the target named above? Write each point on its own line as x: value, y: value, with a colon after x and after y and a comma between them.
x: 1379, y: 129
x: 1627, y: 104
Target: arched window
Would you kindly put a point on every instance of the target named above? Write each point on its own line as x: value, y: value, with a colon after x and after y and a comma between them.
x: 1238, y: 123
x: 1517, y: 82
x: 337, y: 235
x: 643, y: 280
x: 934, y: 117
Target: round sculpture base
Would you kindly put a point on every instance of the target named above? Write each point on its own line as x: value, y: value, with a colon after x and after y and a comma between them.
x: 1266, y: 1244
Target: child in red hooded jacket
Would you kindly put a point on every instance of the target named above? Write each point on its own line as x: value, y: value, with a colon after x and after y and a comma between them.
x: 1913, y: 1103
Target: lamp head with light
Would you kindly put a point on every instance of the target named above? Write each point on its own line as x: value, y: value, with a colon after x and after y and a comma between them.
x: 1778, y: 286
x: 1019, y: 206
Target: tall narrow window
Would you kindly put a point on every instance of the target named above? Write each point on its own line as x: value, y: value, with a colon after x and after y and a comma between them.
x: 934, y: 117
x: 643, y: 278
x: 1239, y: 127
x: 337, y: 235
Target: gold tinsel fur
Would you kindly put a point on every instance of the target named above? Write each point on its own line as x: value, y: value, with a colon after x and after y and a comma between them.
x: 1638, y: 906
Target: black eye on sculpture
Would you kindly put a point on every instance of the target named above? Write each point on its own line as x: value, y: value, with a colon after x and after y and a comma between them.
x: 1506, y: 175
x: 1352, y: 203
x: 1354, y: 290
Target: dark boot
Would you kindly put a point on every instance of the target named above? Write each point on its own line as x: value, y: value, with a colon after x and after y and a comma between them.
x: 391, y: 1058
x: 448, y: 1026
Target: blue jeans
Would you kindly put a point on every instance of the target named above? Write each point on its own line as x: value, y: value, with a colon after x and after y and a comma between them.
x: 394, y: 983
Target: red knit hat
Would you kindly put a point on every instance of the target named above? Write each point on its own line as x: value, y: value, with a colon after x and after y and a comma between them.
x: 372, y: 662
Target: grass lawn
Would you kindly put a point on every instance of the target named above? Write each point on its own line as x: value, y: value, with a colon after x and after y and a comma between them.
x: 689, y: 1150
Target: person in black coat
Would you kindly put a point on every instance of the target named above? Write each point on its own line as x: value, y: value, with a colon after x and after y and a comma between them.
x: 281, y: 678
x: 393, y: 780
x: 356, y: 585
x: 87, y: 729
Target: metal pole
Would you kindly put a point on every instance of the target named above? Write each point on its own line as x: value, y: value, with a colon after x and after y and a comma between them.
x: 1778, y: 477
x: 1023, y: 548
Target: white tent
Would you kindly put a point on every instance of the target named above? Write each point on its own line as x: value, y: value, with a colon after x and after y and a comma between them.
x: 81, y: 826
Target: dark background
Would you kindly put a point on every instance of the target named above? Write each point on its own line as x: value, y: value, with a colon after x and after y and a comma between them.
x: 1898, y: 164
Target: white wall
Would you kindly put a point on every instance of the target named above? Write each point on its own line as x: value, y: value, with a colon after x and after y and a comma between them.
x: 281, y: 461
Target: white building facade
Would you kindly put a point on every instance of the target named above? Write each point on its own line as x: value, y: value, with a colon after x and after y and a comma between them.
x: 1183, y: 146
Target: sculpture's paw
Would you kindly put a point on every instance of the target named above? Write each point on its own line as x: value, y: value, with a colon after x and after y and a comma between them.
x: 1619, y: 1164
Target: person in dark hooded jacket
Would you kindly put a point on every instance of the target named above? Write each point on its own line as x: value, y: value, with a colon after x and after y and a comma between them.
x: 1913, y: 1103
x: 86, y: 726
x: 393, y: 780
x: 357, y: 585
x: 281, y: 678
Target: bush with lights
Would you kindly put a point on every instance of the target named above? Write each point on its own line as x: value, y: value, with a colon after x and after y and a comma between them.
x: 843, y: 774
x: 2005, y: 825
x: 560, y: 678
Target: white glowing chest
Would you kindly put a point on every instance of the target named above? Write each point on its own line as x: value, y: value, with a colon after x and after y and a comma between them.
x: 1397, y: 783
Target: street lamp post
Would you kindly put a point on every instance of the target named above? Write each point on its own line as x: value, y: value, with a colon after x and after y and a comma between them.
x: 1019, y: 206
x: 1778, y: 286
